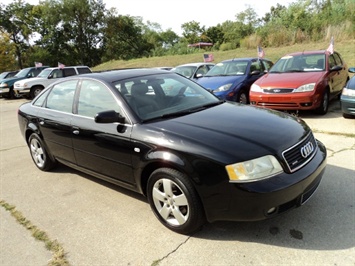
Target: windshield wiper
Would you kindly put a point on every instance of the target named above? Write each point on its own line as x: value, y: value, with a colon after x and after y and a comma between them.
x: 187, y: 111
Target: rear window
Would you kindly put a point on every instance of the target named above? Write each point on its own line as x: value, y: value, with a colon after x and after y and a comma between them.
x: 69, y: 72
x: 83, y: 70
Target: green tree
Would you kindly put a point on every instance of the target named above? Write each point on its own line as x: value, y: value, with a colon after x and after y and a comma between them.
x: 15, y: 20
x: 192, y: 31
x: 83, y: 22
x: 123, y: 38
x: 7, y: 53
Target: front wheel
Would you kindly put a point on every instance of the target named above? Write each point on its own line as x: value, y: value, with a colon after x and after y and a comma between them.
x: 242, y: 98
x: 35, y: 91
x: 323, y: 108
x: 39, y: 154
x: 174, y: 201
x: 14, y: 94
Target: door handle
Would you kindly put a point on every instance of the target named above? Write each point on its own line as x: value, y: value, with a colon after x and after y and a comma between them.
x: 76, y: 131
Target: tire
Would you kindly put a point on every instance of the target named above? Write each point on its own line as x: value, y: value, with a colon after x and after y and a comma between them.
x: 39, y: 153
x: 174, y: 201
x: 35, y: 91
x: 323, y: 108
x: 348, y: 116
x: 13, y: 94
x: 242, y: 97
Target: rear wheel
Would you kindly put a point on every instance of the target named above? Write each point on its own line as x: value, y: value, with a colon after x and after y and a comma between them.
x: 39, y: 153
x: 323, y: 108
x: 174, y: 201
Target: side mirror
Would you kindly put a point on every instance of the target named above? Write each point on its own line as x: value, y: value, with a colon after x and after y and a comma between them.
x: 336, y: 68
x: 107, y: 117
x: 255, y: 72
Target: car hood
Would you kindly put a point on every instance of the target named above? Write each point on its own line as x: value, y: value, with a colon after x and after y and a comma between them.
x: 11, y: 80
x: 351, y: 83
x: 288, y: 80
x: 35, y: 79
x: 213, y: 83
x: 226, y: 133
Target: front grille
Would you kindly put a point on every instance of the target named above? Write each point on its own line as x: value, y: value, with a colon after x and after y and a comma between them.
x: 278, y: 90
x: 300, y: 154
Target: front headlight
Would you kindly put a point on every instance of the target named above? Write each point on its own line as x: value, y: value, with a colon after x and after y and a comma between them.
x: 348, y: 92
x: 253, y: 170
x: 3, y: 85
x: 224, y: 87
x: 255, y: 88
x: 306, y: 87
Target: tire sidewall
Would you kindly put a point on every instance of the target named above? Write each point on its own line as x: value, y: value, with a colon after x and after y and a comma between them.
x: 196, y: 216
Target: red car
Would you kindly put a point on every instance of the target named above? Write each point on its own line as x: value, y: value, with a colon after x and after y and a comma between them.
x: 301, y: 81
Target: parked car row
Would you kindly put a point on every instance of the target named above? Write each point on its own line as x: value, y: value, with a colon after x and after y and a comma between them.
x: 306, y: 80
x: 29, y: 82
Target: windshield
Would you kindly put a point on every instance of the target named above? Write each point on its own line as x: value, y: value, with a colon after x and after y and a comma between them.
x: 23, y: 73
x: 230, y: 68
x: 186, y: 71
x: 164, y: 95
x: 44, y: 73
x: 3, y: 75
x: 299, y: 63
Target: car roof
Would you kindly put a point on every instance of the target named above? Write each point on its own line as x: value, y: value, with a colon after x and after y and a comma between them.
x: 116, y: 75
x: 308, y: 52
x: 196, y: 64
x: 51, y: 68
x: 244, y: 59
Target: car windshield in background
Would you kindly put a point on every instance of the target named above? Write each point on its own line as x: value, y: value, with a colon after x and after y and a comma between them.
x: 186, y: 71
x: 300, y: 63
x: 22, y: 74
x: 231, y: 68
x: 159, y: 96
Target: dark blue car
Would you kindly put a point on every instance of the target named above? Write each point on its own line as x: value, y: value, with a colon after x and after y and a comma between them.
x: 231, y: 79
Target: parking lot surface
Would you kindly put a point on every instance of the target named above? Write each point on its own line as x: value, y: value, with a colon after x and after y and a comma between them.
x: 100, y: 224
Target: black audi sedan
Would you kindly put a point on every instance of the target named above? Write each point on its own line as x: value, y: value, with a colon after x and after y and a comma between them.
x: 196, y: 158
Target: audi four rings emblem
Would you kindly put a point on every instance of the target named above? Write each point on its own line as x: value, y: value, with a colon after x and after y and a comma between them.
x: 307, y: 149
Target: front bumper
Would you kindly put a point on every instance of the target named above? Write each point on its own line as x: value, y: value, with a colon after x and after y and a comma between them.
x: 4, y: 92
x: 270, y: 197
x: 295, y: 101
x: 347, y: 105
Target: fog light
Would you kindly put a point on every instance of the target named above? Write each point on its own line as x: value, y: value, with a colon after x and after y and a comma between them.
x: 271, y: 210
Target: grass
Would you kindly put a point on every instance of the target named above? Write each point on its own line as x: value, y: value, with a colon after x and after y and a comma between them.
x: 58, y: 258
x: 345, y: 48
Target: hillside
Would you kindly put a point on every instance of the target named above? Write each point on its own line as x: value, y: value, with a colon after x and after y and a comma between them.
x: 345, y: 48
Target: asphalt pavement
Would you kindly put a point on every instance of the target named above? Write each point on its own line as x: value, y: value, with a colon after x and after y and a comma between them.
x: 99, y: 224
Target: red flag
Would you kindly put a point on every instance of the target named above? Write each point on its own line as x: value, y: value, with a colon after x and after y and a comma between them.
x: 261, y: 52
x: 60, y: 65
x: 330, y: 48
x: 208, y: 57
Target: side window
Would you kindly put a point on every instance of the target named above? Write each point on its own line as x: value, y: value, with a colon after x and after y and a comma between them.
x: 338, y: 60
x: 332, y: 62
x: 69, y: 72
x: 57, y: 73
x: 267, y: 65
x: 95, y: 97
x: 255, y: 66
x: 83, y: 70
x: 61, y: 96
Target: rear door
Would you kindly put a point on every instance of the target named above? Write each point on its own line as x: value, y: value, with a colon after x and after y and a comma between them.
x: 55, y: 120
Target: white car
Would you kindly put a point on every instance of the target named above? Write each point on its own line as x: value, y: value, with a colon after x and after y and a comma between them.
x: 30, y: 88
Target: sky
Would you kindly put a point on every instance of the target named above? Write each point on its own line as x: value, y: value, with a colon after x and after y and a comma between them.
x: 171, y: 14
